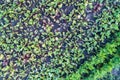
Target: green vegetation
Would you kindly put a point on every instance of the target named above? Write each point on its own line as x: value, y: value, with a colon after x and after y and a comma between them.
x: 59, y: 39
x: 99, y: 65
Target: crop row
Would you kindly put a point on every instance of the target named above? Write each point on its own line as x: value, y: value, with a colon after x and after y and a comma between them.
x: 100, y: 64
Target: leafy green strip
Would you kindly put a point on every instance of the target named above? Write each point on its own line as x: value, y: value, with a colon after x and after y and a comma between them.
x: 109, y: 49
x: 105, y: 69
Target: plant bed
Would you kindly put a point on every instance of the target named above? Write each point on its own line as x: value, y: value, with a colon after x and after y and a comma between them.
x: 44, y: 39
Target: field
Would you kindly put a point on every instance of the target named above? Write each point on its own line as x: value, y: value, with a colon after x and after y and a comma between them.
x: 59, y: 39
